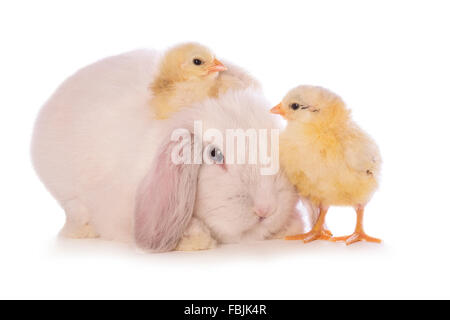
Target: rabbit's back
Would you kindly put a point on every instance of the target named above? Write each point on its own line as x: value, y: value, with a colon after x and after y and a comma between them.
x: 93, y: 139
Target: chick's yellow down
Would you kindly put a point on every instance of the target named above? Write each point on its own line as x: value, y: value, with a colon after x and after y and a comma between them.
x: 189, y: 73
x: 327, y: 157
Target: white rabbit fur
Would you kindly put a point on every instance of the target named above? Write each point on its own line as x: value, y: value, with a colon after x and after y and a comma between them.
x: 95, y: 143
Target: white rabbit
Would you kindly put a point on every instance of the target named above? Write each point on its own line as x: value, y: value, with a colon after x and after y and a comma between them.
x: 99, y: 152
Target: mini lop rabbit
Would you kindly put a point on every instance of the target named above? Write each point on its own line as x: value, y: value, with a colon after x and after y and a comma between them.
x: 100, y: 153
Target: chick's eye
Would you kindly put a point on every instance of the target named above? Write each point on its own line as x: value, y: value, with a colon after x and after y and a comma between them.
x: 216, y: 154
x: 197, y: 62
x: 295, y: 106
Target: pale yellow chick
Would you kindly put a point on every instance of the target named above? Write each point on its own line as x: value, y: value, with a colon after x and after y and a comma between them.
x: 189, y: 73
x: 327, y: 156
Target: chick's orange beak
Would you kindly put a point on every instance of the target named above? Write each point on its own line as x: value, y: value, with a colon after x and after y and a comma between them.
x: 216, y: 67
x: 277, y: 110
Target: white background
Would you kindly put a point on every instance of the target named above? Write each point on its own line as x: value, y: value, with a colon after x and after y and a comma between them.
x: 388, y: 59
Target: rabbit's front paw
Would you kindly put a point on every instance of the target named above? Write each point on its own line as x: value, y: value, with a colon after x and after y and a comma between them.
x: 196, y: 237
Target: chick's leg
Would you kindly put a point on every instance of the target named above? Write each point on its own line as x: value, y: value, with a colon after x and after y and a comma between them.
x: 359, y: 234
x: 318, y: 232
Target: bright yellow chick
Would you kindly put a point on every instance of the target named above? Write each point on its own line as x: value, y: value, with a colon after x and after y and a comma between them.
x: 327, y: 157
x: 189, y: 73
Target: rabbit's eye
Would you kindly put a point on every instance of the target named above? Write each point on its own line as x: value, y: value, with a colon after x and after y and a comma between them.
x: 215, y: 154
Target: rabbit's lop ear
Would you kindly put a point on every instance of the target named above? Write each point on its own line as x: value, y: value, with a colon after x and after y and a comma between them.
x: 165, y: 200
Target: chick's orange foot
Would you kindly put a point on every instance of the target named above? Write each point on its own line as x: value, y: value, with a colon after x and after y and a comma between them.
x: 322, y: 234
x: 355, y: 237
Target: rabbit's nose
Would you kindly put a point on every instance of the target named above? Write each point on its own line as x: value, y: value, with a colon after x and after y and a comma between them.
x: 262, y: 213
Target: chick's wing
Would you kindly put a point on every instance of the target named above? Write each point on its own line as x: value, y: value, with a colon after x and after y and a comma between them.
x: 361, y: 153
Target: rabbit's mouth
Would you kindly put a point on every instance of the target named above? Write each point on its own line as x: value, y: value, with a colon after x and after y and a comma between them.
x: 262, y: 229
x: 265, y: 223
